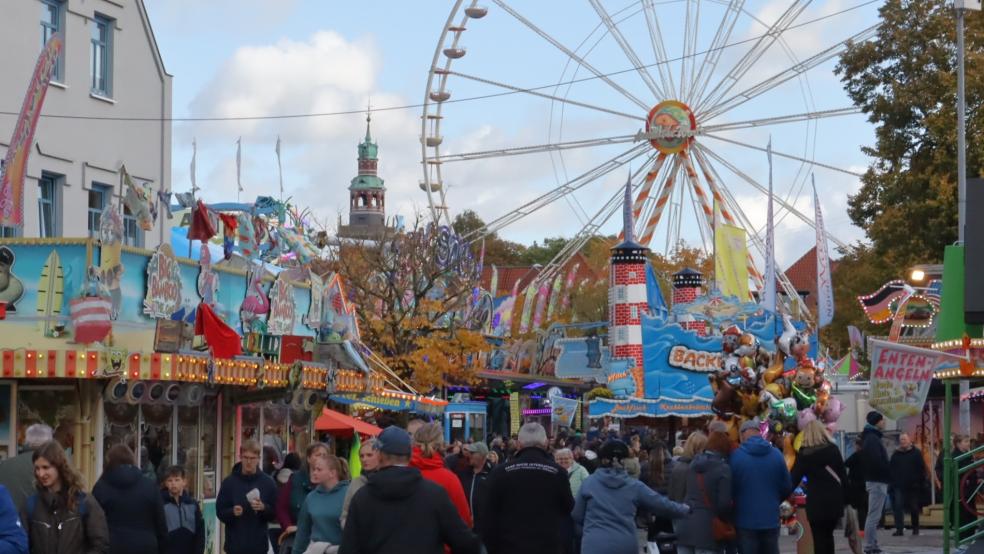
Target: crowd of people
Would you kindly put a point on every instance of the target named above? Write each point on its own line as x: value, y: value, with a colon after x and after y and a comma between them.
x: 516, y: 495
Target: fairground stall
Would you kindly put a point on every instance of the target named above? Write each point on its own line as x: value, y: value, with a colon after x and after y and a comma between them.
x: 179, y: 359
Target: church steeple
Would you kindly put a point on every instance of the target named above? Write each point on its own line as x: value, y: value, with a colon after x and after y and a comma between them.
x: 367, y: 192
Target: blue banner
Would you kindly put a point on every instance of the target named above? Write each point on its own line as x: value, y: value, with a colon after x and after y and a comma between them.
x: 635, y: 407
x: 562, y: 410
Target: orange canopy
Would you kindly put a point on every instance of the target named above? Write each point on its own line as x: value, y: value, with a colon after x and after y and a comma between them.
x: 342, y: 425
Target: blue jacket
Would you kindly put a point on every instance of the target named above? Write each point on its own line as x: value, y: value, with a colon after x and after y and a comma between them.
x: 759, y: 483
x: 606, y: 506
x: 185, y: 526
x: 246, y: 534
x: 13, y: 539
x: 319, y: 520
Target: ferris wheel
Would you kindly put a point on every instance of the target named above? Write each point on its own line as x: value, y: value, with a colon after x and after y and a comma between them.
x: 678, y: 94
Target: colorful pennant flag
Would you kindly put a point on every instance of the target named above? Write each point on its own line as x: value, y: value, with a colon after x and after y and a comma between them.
x: 730, y: 254
x: 15, y: 162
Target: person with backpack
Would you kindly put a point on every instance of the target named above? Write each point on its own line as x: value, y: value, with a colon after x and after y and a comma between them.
x: 60, y: 517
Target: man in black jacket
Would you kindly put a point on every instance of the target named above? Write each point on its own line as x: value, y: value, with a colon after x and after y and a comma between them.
x: 398, y: 511
x: 877, y: 476
x: 528, y: 499
x: 473, y: 480
x: 908, y: 481
x: 244, y: 512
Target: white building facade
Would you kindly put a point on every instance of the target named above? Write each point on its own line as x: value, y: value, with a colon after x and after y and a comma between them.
x: 110, y: 68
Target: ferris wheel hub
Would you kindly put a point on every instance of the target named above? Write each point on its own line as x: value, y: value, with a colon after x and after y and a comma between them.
x: 671, y: 127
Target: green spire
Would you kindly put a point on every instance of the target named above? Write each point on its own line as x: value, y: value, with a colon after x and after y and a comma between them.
x: 368, y: 160
x: 368, y: 150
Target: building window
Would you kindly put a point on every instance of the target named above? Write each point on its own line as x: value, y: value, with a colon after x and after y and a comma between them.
x: 53, y: 21
x: 8, y: 232
x: 101, y: 67
x: 98, y: 200
x: 49, y: 205
x: 634, y: 311
x: 133, y: 235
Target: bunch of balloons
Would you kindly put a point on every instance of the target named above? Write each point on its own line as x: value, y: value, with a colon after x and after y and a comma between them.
x: 753, y: 383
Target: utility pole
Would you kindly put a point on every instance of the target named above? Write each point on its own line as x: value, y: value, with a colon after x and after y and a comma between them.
x: 949, y: 477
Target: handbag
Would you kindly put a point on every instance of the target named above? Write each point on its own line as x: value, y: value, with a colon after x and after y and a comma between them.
x: 721, y: 530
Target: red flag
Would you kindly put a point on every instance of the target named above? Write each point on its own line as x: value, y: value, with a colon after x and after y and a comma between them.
x: 222, y: 339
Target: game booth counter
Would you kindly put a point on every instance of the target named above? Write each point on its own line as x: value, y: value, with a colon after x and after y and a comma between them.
x: 102, y: 343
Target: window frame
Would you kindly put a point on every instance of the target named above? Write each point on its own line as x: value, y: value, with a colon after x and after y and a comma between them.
x: 47, y: 29
x: 130, y: 222
x: 94, y: 214
x: 53, y: 182
x: 104, y: 46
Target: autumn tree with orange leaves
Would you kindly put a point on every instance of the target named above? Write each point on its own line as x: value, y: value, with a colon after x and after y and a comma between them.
x: 413, y: 292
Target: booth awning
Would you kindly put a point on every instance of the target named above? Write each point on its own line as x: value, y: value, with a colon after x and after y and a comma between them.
x: 342, y: 425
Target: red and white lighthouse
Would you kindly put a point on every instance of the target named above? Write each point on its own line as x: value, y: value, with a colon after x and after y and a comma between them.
x: 627, y: 299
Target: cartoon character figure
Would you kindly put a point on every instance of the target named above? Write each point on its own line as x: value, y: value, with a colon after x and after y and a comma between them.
x: 793, y: 343
x: 93, y: 284
x: 803, y: 386
x: 208, y: 280
x: 730, y: 339
x: 11, y: 288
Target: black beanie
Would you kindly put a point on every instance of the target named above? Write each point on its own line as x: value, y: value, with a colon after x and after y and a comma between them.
x: 874, y: 417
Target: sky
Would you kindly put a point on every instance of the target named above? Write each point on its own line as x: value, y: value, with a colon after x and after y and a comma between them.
x: 234, y: 58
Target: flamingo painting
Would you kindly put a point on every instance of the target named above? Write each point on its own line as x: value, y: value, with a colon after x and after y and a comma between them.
x: 256, y: 305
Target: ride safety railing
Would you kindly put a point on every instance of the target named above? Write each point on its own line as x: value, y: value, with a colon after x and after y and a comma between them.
x: 961, y: 491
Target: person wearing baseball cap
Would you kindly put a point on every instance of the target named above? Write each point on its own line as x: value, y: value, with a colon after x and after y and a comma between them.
x: 399, y: 511
x: 877, y: 476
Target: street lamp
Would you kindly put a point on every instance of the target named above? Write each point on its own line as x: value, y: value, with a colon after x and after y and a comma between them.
x: 962, y: 6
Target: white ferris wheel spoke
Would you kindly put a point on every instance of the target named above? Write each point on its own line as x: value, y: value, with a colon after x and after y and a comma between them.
x: 764, y: 190
x: 659, y: 49
x: 616, y: 34
x: 787, y: 156
x: 690, y: 53
x: 787, y: 74
x: 559, y: 192
x: 534, y: 149
x: 514, y: 88
x: 757, y: 241
x: 753, y: 55
x: 590, y: 229
x: 792, y: 118
x: 543, y: 34
x: 718, y: 45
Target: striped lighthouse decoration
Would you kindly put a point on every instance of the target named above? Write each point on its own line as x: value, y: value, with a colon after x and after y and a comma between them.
x: 688, y: 285
x: 627, y: 299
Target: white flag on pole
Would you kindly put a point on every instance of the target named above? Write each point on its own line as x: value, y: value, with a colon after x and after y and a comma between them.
x: 194, y: 154
x: 825, y: 289
x: 280, y: 169
x: 239, y: 163
x: 769, y: 294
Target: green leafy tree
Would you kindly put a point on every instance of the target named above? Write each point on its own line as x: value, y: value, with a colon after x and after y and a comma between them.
x: 498, y: 251
x: 905, y: 82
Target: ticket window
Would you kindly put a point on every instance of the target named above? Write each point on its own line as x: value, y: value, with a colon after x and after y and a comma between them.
x: 457, y: 427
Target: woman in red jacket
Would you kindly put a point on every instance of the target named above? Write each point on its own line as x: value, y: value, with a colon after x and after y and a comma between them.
x: 427, y: 442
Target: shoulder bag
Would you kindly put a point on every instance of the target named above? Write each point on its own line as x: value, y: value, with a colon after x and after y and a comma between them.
x: 720, y: 529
